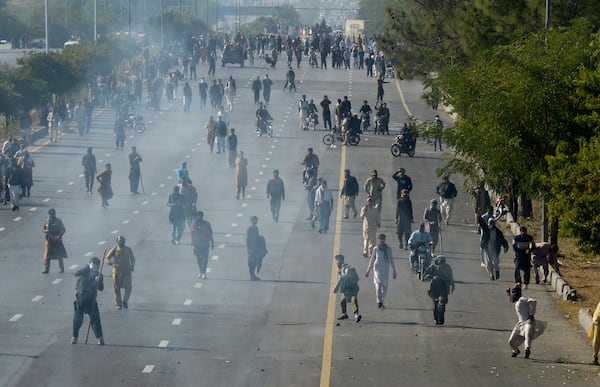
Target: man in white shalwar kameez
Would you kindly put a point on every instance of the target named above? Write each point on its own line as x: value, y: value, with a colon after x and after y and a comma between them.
x: 523, y: 332
x: 380, y: 262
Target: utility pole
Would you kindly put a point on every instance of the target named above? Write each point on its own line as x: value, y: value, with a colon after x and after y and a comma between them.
x: 46, y: 22
x: 544, y: 208
x: 95, y: 22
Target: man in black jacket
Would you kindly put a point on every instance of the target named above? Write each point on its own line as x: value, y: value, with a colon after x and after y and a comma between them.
x: 348, y: 193
x: 89, y: 281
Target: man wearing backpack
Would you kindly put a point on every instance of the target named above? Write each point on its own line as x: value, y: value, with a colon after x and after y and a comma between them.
x: 89, y: 281
x: 348, y: 286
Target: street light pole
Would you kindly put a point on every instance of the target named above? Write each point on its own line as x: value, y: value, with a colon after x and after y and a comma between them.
x: 162, y: 11
x: 46, y: 22
x: 95, y: 21
x: 129, y: 17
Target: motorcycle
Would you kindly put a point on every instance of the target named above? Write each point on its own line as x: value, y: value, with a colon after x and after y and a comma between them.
x: 365, y: 121
x: 382, y: 125
x: 134, y: 122
x: 329, y: 138
x: 403, y: 145
x: 265, y: 127
x: 311, y: 121
x: 420, y: 259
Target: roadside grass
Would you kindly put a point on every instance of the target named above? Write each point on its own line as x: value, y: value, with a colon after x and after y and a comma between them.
x: 580, y: 271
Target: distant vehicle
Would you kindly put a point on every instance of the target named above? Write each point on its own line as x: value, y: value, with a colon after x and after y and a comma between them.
x: 3, y: 41
x: 233, y: 54
x: 38, y: 43
x: 70, y: 43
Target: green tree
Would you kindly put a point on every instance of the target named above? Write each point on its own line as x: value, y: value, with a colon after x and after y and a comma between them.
x: 514, y: 107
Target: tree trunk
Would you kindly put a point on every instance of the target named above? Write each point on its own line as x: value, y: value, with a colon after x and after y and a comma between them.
x: 526, y: 206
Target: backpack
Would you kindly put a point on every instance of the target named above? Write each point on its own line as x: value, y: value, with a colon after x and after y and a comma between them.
x: 350, y: 276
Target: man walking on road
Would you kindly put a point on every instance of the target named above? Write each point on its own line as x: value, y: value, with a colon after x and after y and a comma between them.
x: 370, y: 222
x: 267, y: 83
x: 522, y: 246
x: 202, y: 240
x: 403, y: 182
x: 447, y: 192
x: 232, y: 143
x: 347, y: 285
x: 256, y: 87
x: 89, y: 169
x: 54, y: 248
x: 380, y: 262
x: 374, y: 185
x: 492, y: 239
x: 135, y: 171
x: 89, y: 282
x: 105, y: 189
x: 276, y: 194
x: 122, y: 260
x: 324, y: 205
x: 255, y: 247
x: 348, y: 193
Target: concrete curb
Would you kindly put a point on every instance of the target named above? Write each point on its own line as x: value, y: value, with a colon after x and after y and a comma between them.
x: 560, y: 286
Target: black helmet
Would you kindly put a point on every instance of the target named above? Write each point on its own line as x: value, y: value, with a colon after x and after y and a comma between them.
x: 440, y: 259
x: 95, y: 261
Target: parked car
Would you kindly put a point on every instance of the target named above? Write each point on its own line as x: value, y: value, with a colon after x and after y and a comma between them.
x: 233, y: 54
x: 38, y: 43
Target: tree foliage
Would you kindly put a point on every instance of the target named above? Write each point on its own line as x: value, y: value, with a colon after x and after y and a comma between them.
x: 430, y: 34
x: 514, y: 106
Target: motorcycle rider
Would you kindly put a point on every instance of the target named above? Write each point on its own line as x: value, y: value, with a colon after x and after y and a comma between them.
x: 433, y: 217
x: 365, y: 112
x: 442, y: 284
x: 418, y: 238
x: 353, y: 128
x: 262, y: 115
x: 311, y: 162
x: 383, y: 119
x: 312, y: 112
x: 407, y: 136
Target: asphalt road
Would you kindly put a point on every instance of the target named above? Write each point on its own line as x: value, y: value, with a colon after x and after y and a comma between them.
x: 280, y: 331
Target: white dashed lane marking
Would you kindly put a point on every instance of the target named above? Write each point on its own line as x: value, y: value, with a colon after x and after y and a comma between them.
x: 56, y: 281
x: 162, y: 185
x: 145, y: 202
x: 37, y: 298
x: 239, y: 215
x: 187, y: 302
x: 148, y: 369
x: 18, y: 218
x: 260, y: 173
x: 102, y: 243
x: 88, y: 254
x: 234, y: 224
x: 176, y: 321
x: 227, y: 235
x: 73, y: 267
x: 59, y: 191
x: 198, y: 285
x: 244, y: 204
x: 46, y: 200
x: 221, y: 246
x: 248, y: 196
x: 163, y: 344
x: 32, y: 209
x: 2, y: 229
x: 214, y: 258
x: 114, y: 232
x: 71, y: 183
x: 126, y: 221
x: 136, y: 212
x: 208, y: 269
x: 15, y: 318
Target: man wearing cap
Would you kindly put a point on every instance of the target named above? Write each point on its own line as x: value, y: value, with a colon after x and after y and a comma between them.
x: 525, y: 327
x: 54, y: 248
x: 89, y: 281
x: 275, y: 194
x: 374, y: 185
x: 105, y: 189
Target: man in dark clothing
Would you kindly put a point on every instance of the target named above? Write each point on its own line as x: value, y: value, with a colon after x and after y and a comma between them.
x: 447, y: 192
x: 346, y: 107
x: 187, y: 97
x: 523, y: 244
x: 256, y: 87
x: 221, y: 133
x: 54, y: 247
x: 276, y: 194
x: 347, y: 285
x: 403, y: 181
x: 326, y: 112
x: 203, y: 90
x: 267, y: 83
x: 348, y: 193
x: 14, y: 181
x: 202, y: 240
x: 89, y: 281
x: 255, y: 247
x: 105, y: 189
x: 232, y: 143
x: 134, y: 170
x: 177, y: 220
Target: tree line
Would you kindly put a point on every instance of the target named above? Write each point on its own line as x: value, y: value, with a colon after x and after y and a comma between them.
x: 526, y: 100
